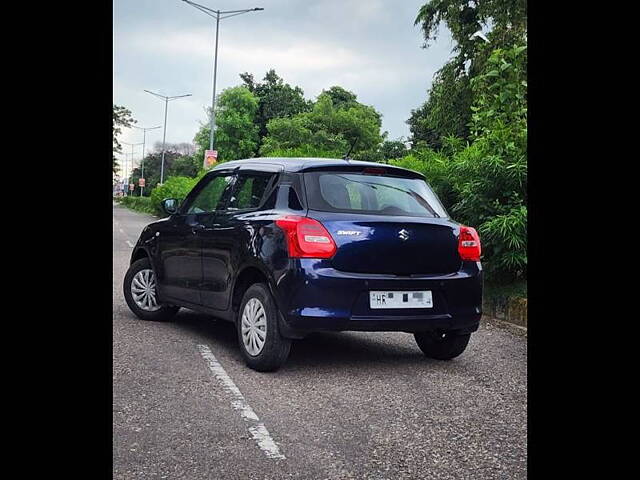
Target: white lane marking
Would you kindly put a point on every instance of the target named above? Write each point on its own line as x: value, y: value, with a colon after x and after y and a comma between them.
x: 130, y: 244
x: 121, y: 231
x: 258, y: 431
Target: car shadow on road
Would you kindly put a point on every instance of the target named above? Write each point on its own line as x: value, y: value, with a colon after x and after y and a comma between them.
x: 318, y: 350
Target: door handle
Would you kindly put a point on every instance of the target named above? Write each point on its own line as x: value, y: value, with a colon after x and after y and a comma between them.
x: 197, y: 227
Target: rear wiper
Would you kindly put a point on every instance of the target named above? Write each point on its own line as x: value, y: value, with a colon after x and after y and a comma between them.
x: 418, y: 198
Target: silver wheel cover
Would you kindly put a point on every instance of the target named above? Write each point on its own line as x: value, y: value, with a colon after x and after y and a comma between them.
x: 253, y: 327
x: 143, y: 290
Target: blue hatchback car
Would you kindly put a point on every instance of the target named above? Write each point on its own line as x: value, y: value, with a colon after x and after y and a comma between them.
x: 287, y: 246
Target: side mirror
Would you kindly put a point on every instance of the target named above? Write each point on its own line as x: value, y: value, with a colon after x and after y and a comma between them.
x: 170, y: 205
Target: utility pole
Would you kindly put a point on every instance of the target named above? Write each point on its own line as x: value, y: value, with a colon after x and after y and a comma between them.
x: 218, y: 15
x: 144, y: 135
x: 164, y: 136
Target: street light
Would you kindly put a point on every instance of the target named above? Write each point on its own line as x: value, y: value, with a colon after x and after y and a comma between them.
x: 144, y: 135
x: 132, y: 145
x: 166, y: 103
x: 124, y: 173
x: 218, y: 15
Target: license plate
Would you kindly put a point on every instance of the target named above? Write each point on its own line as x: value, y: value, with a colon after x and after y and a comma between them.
x: 407, y: 299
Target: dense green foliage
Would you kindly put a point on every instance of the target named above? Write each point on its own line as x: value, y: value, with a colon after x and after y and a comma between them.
x: 447, y: 109
x: 507, y: 19
x: 393, y: 149
x: 236, y: 130
x: 446, y: 113
x: 341, y: 98
x: 173, y: 187
x: 272, y: 118
x: 276, y: 99
x: 177, y: 162
x: 327, y: 130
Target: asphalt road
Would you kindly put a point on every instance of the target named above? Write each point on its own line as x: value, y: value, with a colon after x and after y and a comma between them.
x: 344, y: 406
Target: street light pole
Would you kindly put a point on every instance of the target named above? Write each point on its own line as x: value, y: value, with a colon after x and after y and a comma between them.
x: 124, y: 172
x: 218, y: 15
x: 213, y: 98
x: 132, y: 145
x: 164, y: 136
x: 144, y: 137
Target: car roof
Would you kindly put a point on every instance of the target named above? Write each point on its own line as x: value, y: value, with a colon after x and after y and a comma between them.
x: 298, y: 164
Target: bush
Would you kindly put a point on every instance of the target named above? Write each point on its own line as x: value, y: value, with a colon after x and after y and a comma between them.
x: 173, y: 187
x: 141, y: 204
x: 302, y: 151
x: 436, y: 168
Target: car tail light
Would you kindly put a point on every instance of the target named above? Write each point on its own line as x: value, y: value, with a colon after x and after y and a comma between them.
x: 306, y: 237
x: 469, y: 244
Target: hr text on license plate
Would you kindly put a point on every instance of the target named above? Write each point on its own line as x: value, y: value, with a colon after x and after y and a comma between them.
x: 405, y: 299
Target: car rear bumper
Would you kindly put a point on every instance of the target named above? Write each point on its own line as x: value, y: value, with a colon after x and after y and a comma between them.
x: 316, y: 297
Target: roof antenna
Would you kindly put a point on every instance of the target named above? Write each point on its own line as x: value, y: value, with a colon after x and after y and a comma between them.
x: 346, y: 157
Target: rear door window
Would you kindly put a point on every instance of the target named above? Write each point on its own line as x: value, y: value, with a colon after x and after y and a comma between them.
x: 359, y: 192
x: 250, y: 189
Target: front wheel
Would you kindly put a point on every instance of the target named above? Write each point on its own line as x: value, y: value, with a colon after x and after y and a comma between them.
x: 261, y: 344
x: 442, y: 345
x: 141, y: 294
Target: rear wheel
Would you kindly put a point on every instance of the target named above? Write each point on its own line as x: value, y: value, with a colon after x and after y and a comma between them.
x: 261, y: 344
x: 141, y: 294
x: 442, y: 345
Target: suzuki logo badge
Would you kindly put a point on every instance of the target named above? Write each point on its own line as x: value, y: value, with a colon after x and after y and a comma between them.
x: 403, y: 234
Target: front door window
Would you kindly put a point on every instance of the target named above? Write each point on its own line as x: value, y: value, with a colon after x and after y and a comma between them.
x: 209, y: 198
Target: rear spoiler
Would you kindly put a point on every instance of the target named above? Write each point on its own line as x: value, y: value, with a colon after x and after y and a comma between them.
x: 367, y: 169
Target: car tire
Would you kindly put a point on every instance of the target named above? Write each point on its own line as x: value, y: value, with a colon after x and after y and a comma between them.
x: 262, y: 346
x: 442, y: 345
x: 146, y: 306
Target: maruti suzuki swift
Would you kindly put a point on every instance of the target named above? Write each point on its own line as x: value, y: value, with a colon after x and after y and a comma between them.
x: 284, y: 247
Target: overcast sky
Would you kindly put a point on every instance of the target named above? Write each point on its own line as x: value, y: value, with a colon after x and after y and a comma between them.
x: 370, y: 47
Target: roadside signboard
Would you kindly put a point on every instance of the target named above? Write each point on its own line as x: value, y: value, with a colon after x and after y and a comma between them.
x: 210, y: 157
x: 132, y: 186
x: 141, y: 182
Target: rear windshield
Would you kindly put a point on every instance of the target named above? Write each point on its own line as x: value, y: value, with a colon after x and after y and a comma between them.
x: 355, y: 192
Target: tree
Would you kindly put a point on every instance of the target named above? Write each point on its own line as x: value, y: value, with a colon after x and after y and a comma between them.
x: 185, y: 166
x: 393, y: 149
x: 447, y: 109
x: 121, y: 118
x: 183, y: 148
x: 179, y: 160
x: 341, y: 98
x: 507, y: 20
x: 236, y: 129
x: 152, y: 166
x: 276, y: 99
x: 326, y: 131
